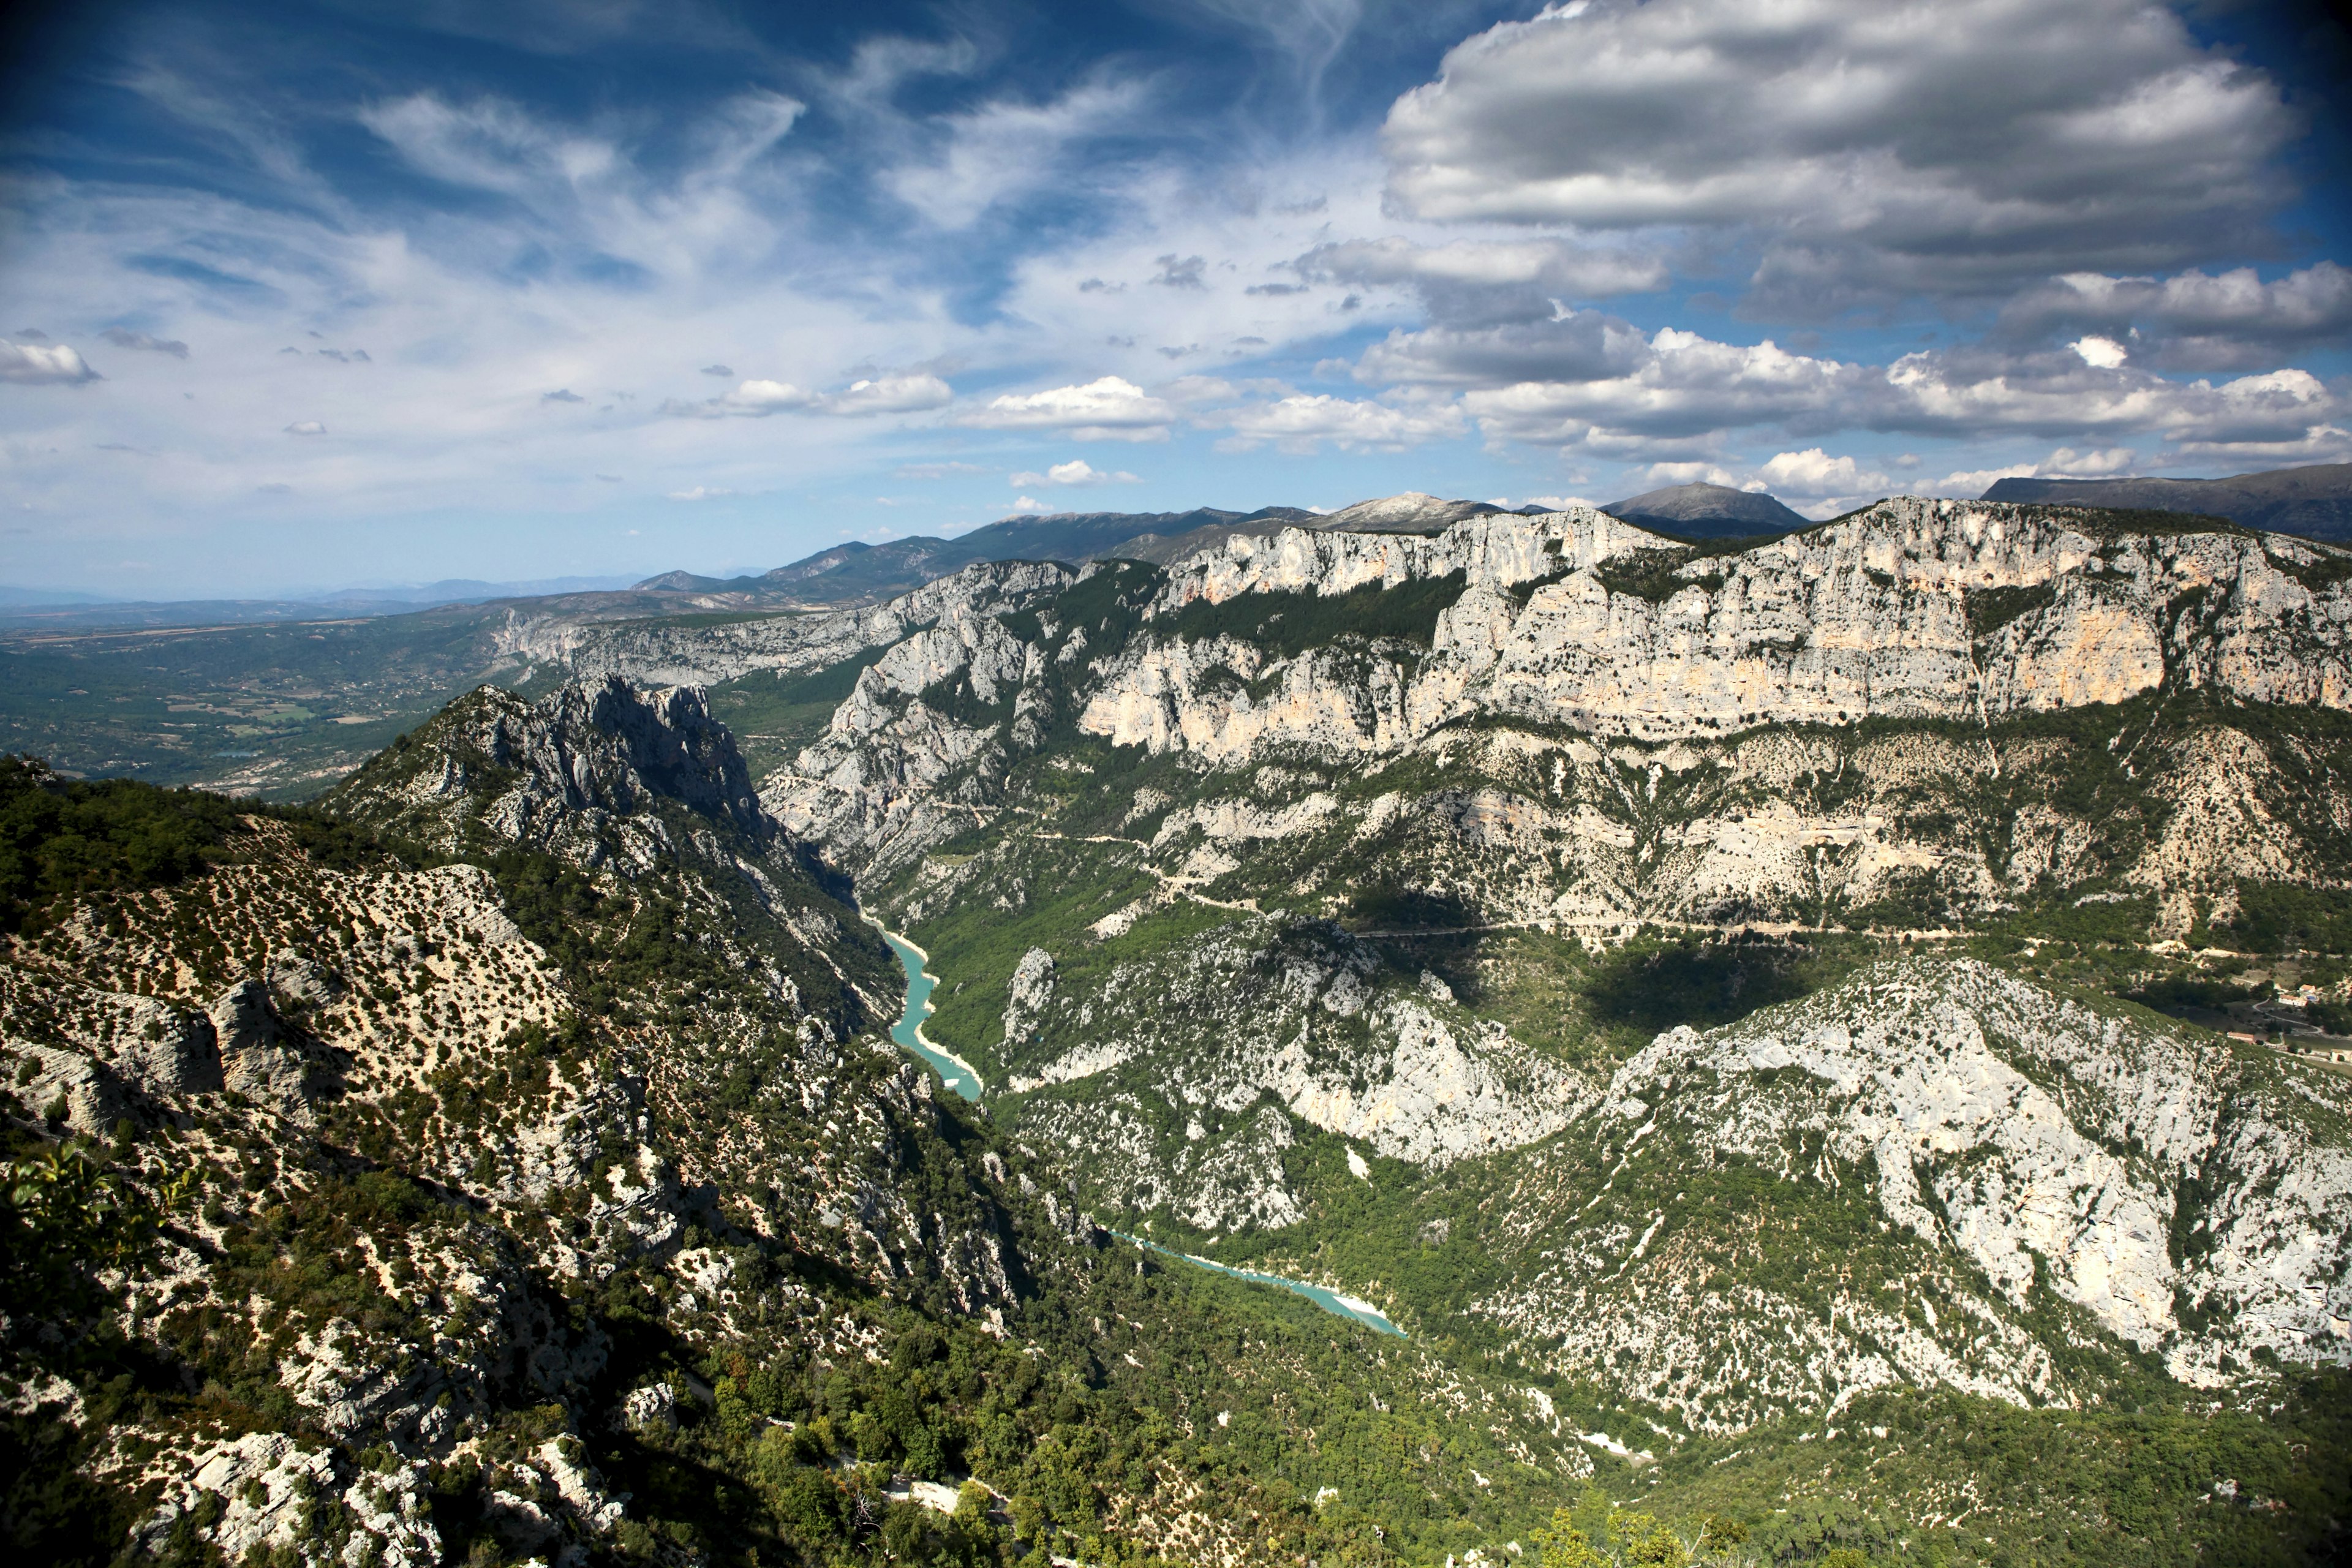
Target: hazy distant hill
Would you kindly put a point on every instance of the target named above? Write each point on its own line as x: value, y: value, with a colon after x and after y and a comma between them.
x: 2314, y: 501
x: 845, y: 574
x: 1708, y: 512
x: 29, y: 607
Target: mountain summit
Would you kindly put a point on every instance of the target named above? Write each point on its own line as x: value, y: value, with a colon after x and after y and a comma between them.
x: 1708, y: 512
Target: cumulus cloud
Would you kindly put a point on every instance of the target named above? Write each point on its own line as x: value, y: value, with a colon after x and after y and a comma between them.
x: 306, y: 427
x: 1077, y: 471
x: 1577, y: 345
x: 1300, y: 423
x: 2193, y: 320
x: 34, y: 363
x: 1181, y: 272
x: 1677, y: 384
x: 1679, y: 387
x: 1935, y: 145
x: 1482, y: 282
x: 2066, y: 463
x: 1813, y: 474
x: 124, y: 338
x: 1110, y: 408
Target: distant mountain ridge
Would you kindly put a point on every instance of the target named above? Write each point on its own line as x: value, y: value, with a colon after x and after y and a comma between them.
x: 1708, y: 512
x: 2314, y: 501
x: 857, y: 572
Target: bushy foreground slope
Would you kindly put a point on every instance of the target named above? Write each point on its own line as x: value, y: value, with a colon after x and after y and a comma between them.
x: 534, y: 1187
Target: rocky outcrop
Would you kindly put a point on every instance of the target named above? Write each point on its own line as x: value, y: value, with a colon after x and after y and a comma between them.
x: 259, y: 1058
x: 578, y: 773
x: 1255, y: 1020
x: 2028, y: 1152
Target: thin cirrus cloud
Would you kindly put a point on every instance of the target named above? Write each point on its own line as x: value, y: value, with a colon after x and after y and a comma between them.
x: 124, y: 338
x: 1302, y: 422
x: 757, y: 399
x: 1776, y: 244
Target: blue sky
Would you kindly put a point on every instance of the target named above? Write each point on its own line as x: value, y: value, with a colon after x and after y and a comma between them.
x: 303, y: 295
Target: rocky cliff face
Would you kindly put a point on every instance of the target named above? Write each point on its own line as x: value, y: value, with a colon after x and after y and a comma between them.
x: 1628, y: 730
x: 581, y: 774
x: 1998, y: 1160
x: 1911, y: 609
x: 1215, y: 833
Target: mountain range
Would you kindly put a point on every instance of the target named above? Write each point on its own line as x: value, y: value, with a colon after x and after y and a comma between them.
x: 2314, y: 501
x: 1755, y: 1048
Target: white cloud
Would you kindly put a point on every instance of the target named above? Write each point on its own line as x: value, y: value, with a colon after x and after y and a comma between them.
x: 757, y: 399
x: 1679, y: 387
x: 1005, y: 149
x: 1030, y: 503
x: 1813, y: 473
x: 1665, y: 475
x: 36, y: 363
x: 1546, y: 266
x: 2102, y: 353
x: 889, y: 395
x: 1681, y: 384
x: 306, y: 427
x: 2066, y: 463
x: 1077, y: 471
x: 700, y: 492
x: 2195, y: 321
x: 936, y: 470
x: 1913, y: 144
x: 1110, y: 408
x: 1299, y: 424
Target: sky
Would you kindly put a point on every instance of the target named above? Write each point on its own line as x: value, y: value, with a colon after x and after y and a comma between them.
x: 304, y: 295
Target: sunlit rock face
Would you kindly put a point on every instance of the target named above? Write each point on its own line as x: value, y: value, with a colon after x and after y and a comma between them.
x: 1911, y: 609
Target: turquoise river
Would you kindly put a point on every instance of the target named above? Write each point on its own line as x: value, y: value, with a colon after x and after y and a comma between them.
x: 958, y: 1075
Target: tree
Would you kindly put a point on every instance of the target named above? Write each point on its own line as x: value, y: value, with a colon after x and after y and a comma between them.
x: 1562, y: 1545
x: 1649, y: 1542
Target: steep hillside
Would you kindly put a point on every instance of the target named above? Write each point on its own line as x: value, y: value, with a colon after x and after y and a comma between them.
x: 524, y: 1180
x: 1696, y: 993
x: 1326, y: 893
